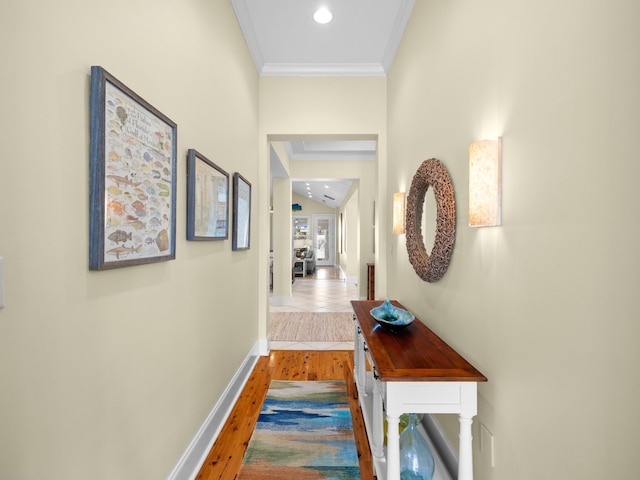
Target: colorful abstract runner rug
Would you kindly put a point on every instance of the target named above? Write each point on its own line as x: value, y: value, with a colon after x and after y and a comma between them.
x: 304, y: 432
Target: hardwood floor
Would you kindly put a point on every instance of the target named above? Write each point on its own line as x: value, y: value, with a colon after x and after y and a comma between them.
x: 225, y: 457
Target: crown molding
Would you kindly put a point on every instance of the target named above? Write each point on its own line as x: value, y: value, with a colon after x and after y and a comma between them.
x: 322, y: 70
x: 244, y: 19
x: 406, y: 6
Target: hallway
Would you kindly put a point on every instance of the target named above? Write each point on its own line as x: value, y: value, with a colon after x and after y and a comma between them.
x: 324, y: 291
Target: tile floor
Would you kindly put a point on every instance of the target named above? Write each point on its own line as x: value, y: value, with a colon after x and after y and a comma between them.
x: 325, y: 291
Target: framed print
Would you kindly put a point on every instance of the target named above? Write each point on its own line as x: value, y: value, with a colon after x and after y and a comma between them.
x: 132, y: 191
x: 207, y: 199
x: 241, y: 212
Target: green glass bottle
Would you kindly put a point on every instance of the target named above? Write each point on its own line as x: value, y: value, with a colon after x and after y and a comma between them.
x: 416, y: 459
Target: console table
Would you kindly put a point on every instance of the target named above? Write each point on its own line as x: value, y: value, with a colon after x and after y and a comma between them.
x: 412, y: 371
x: 300, y: 267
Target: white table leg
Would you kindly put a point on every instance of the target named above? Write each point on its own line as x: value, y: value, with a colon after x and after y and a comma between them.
x: 465, y: 458
x: 356, y: 355
x: 393, y: 448
x: 377, y: 421
x: 360, y: 366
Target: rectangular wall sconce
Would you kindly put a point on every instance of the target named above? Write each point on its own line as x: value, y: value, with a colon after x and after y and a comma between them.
x: 485, y: 183
x: 398, y: 212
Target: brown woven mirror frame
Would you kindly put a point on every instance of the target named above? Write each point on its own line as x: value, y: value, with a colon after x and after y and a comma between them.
x: 431, y: 268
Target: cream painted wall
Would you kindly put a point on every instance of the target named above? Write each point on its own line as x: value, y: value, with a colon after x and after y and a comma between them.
x: 349, y: 213
x: 547, y: 305
x: 350, y: 259
x: 281, y: 230
x: 309, y: 207
x: 109, y: 375
x: 282, y: 234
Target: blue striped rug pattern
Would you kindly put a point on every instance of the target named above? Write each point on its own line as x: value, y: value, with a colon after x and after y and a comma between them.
x: 304, y: 432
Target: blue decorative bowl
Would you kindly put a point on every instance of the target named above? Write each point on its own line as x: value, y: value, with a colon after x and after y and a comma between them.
x: 392, y: 318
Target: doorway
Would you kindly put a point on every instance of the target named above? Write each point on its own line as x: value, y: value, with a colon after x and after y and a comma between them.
x: 324, y: 239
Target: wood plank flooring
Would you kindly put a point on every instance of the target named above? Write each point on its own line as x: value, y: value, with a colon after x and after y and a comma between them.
x: 225, y: 458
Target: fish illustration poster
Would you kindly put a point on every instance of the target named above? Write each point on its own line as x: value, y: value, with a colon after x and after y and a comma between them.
x: 138, y: 175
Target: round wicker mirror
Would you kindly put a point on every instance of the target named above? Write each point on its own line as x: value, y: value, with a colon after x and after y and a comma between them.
x: 431, y: 267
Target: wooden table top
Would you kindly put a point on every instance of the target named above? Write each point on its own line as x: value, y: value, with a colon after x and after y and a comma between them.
x: 413, y: 354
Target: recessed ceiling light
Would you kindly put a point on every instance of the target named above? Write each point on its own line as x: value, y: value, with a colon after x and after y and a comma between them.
x: 322, y: 15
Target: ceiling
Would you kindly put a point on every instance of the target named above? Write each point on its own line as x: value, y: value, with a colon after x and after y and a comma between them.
x: 361, y: 40
x: 284, y: 39
x: 331, y: 149
x: 329, y: 191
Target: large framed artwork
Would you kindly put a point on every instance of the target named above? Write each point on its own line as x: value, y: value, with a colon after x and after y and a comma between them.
x: 241, y: 213
x: 132, y: 194
x: 207, y: 199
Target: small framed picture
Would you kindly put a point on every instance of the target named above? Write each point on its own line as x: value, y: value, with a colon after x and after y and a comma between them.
x: 241, y: 212
x: 132, y: 176
x: 207, y: 199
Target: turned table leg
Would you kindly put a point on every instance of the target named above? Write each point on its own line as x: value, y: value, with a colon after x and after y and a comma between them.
x: 377, y: 448
x: 465, y: 455
x: 393, y: 447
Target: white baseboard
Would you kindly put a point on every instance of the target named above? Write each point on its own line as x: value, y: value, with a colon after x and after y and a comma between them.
x: 281, y: 301
x: 196, y: 453
x: 264, y: 346
x: 352, y: 281
x: 440, y: 443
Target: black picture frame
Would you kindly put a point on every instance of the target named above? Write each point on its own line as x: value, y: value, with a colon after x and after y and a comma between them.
x: 132, y: 176
x: 207, y: 199
x: 241, y: 213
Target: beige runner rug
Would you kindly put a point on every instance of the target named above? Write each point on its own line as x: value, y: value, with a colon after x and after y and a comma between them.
x: 311, y: 327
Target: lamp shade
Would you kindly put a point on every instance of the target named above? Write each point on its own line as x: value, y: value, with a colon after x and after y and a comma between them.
x: 398, y: 212
x: 485, y: 189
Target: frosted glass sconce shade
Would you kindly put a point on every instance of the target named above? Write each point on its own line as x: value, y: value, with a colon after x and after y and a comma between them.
x: 398, y: 212
x: 485, y: 189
